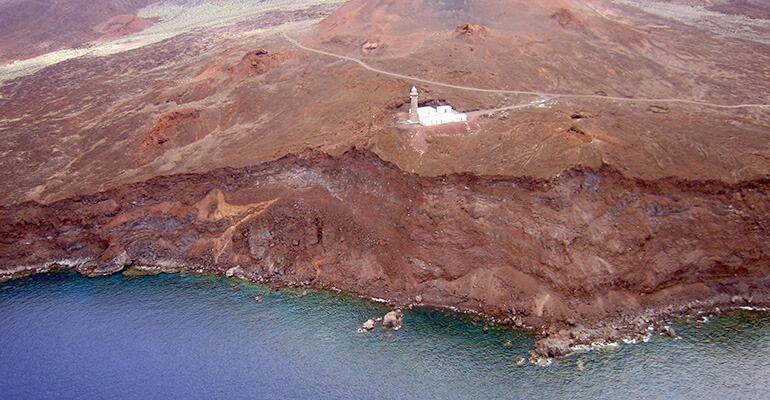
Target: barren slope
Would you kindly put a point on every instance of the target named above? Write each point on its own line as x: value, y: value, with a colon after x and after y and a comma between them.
x: 229, y: 96
x: 33, y: 27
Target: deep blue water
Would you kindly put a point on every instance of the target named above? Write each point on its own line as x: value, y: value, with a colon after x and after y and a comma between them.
x: 185, y: 337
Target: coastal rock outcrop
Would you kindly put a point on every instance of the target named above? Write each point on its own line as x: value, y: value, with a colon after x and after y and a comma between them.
x: 554, y: 346
x: 110, y: 266
x: 393, y: 320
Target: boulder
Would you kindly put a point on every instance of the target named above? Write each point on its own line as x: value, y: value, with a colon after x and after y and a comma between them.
x: 472, y: 31
x: 393, y: 320
x: 368, y: 325
x: 369, y: 46
x: 668, y: 331
x: 231, y: 272
x: 539, y: 360
x: 553, y: 346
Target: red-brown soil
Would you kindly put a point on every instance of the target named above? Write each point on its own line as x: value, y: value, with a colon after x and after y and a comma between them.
x: 30, y: 28
x: 249, y: 91
x: 172, y: 130
x: 121, y: 25
x: 258, y: 62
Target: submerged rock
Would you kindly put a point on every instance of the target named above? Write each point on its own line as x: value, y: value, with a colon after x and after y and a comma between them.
x: 393, y: 320
x: 539, y: 359
x: 135, y: 272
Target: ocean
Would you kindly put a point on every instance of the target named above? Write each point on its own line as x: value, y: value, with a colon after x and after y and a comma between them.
x: 189, y: 337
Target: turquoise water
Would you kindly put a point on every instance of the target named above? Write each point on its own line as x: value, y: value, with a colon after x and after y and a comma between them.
x: 185, y: 337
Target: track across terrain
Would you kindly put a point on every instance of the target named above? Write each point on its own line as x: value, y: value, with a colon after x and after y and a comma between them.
x: 517, y: 92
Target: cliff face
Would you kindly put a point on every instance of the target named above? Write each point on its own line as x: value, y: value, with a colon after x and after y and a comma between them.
x: 587, y: 247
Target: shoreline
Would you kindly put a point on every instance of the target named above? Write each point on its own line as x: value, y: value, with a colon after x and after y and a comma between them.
x: 565, y: 343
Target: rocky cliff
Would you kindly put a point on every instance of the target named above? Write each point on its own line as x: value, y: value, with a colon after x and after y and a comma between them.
x: 589, y: 249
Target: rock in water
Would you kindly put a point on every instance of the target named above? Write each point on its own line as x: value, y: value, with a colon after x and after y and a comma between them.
x: 393, y: 320
x: 258, y: 299
x: 553, y: 346
x: 508, y: 344
x: 368, y: 325
x: 520, y: 360
x: 668, y: 331
x: 581, y: 366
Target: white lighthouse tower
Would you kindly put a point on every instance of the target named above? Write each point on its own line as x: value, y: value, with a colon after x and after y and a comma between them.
x: 414, y: 116
x: 429, y: 116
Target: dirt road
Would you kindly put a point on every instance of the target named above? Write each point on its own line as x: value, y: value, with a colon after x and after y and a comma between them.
x: 519, y: 92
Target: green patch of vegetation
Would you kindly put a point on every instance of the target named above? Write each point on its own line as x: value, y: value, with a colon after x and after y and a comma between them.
x: 134, y: 272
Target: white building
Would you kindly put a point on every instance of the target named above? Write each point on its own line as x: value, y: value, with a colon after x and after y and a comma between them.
x: 429, y: 116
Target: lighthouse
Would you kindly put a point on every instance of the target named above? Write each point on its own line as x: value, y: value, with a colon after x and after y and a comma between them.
x: 414, y: 116
x: 430, y: 116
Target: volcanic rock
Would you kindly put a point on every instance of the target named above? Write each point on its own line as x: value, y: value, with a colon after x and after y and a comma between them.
x: 368, y: 324
x: 393, y: 320
x: 668, y: 331
x: 258, y: 62
x: 566, y: 19
x: 102, y: 268
x: 472, y: 31
x: 554, y: 346
x: 369, y: 46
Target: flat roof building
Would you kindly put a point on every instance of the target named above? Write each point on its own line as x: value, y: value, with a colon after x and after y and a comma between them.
x: 429, y: 116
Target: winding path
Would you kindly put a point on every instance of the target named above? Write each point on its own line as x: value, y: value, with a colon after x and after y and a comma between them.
x: 516, y: 92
